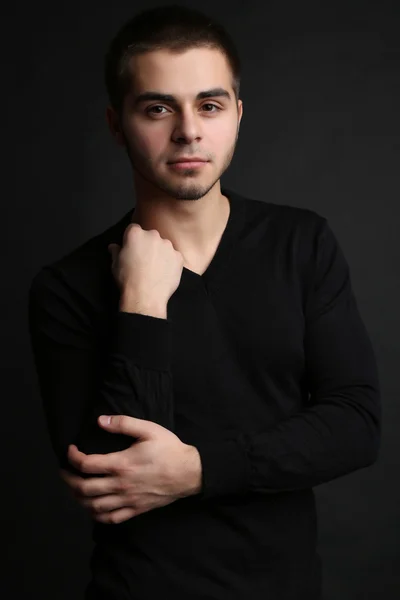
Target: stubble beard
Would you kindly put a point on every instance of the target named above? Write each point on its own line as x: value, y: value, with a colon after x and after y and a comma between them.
x: 184, y: 190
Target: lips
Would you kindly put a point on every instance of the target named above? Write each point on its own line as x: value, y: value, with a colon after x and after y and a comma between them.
x: 182, y: 160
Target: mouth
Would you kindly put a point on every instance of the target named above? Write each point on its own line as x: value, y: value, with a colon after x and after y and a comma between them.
x: 186, y: 164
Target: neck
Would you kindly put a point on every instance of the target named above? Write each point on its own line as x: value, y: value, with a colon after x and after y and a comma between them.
x: 192, y: 226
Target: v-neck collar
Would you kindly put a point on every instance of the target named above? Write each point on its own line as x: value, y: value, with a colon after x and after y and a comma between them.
x: 220, y: 260
x: 224, y: 249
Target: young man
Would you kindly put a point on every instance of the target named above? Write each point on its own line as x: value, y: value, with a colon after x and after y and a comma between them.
x: 222, y: 335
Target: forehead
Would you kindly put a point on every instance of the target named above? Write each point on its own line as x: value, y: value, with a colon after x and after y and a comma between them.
x: 182, y: 74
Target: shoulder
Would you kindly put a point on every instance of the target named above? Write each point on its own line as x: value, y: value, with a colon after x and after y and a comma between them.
x: 277, y: 212
x: 301, y: 236
x: 82, y: 276
x: 302, y: 225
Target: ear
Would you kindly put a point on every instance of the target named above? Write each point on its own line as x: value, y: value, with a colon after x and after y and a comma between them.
x: 240, y: 111
x: 114, y: 124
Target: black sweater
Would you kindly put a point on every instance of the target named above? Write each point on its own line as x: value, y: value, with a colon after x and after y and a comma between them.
x: 263, y: 364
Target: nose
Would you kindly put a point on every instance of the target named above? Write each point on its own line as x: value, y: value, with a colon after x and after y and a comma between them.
x: 187, y: 128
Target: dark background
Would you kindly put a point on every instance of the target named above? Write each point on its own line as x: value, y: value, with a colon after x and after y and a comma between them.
x: 320, y: 130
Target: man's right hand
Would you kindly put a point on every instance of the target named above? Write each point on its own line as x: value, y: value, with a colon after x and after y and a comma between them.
x: 147, y: 270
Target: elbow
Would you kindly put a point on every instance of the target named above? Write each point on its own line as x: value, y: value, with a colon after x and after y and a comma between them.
x: 375, y: 427
x: 372, y: 436
x: 365, y: 426
x: 374, y: 446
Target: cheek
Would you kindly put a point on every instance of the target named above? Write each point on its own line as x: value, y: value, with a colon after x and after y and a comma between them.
x: 222, y: 137
x: 149, y: 143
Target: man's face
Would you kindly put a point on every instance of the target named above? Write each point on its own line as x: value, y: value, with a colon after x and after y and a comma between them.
x: 158, y: 131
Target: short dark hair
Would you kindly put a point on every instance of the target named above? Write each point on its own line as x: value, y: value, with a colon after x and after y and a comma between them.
x: 173, y: 27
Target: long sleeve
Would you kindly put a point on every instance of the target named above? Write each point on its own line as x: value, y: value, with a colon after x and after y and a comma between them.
x: 339, y: 430
x: 79, y: 379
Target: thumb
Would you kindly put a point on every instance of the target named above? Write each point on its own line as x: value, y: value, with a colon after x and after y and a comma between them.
x: 127, y: 425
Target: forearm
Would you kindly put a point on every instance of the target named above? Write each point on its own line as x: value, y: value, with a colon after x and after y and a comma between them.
x: 338, y: 431
x: 83, y: 372
x: 132, y: 303
x: 137, y: 380
x: 312, y: 447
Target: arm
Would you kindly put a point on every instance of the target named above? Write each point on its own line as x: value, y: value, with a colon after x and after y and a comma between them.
x: 78, y: 383
x: 340, y: 431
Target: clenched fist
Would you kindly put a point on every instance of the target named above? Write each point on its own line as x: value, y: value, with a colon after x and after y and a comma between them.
x: 147, y: 269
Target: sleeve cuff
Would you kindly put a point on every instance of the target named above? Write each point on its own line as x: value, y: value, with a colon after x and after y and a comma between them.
x: 225, y: 468
x: 144, y: 339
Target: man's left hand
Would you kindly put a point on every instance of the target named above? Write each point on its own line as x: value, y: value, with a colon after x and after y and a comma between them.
x: 157, y: 469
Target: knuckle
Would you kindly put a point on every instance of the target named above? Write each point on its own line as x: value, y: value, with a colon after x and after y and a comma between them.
x: 121, y: 486
x: 120, y: 470
x: 81, y: 465
x: 84, y: 487
x: 130, y: 231
x: 126, y: 466
x: 123, y: 420
x: 113, y: 517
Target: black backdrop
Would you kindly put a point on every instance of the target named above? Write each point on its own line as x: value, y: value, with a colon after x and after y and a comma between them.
x: 321, y: 93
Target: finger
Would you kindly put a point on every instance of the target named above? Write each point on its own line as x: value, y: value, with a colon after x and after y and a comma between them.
x: 65, y: 475
x: 117, y: 516
x: 93, y: 487
x: 92, y: 463
x: 98, y: 486
x: 105, y: 503
x: 71, y: 480
x: 132, y: 426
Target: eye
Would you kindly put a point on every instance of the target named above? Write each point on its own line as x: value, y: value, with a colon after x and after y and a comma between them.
x: 151, y: 110
x: 209, y: 104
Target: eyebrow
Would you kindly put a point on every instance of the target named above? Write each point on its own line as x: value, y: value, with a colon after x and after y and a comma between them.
x: 214, y: 92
